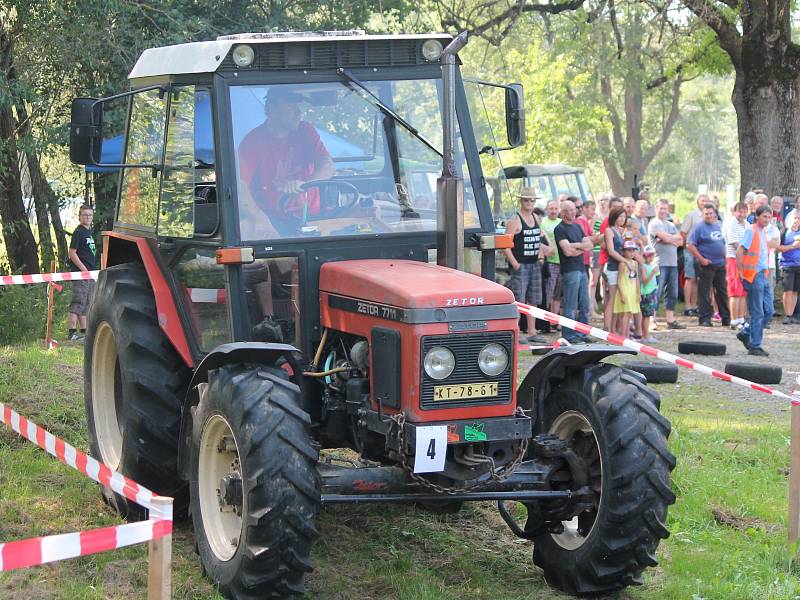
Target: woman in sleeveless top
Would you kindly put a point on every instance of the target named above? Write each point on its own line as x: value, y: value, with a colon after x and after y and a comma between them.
x: 617, y: 219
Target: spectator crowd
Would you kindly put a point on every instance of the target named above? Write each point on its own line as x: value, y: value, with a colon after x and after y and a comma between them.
x: 570, y: 257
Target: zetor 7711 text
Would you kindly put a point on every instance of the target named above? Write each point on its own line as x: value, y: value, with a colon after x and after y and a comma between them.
x: 284, y: 318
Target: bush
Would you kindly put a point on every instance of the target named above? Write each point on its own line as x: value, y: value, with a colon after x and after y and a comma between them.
x: 23, y: 312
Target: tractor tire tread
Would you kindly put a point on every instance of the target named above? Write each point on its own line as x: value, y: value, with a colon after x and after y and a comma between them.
x: 154, y: 383
x: 636, y: 493
x: 282, y: 489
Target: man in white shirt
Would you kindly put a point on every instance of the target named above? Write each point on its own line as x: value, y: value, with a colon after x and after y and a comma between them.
x: 733, y: 229
x: 792, y: 214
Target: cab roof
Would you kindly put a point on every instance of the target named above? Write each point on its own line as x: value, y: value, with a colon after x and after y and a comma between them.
x: 519, y: 171
x: 206, y: 57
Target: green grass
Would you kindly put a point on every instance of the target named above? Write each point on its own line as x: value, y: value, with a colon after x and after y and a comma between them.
x: 732, y: 456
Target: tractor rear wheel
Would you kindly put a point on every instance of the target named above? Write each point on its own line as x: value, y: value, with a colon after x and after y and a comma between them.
x: 134, y: 385
x: 614, y: 426
x: 255, y: 488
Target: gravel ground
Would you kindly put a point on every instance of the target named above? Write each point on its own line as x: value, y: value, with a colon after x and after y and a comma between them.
x: 781, y: 341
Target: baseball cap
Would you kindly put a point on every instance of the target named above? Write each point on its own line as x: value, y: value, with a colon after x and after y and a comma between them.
x: 649, y: 250
x: 630, y: 245
x: 281, y: 93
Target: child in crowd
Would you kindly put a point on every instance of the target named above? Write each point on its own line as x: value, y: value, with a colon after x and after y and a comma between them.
x: 626, y: 302
x: 649, y: 291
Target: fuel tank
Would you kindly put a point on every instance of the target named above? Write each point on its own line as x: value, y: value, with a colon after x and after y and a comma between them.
x: 404, y: 308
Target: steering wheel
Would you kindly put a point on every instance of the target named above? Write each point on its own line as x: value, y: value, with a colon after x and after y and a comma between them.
x: 325, y: 211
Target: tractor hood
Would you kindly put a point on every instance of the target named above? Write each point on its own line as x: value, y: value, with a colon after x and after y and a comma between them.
x: 409, y: 284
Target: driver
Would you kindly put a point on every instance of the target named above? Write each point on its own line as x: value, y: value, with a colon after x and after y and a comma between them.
x: 279, y: 156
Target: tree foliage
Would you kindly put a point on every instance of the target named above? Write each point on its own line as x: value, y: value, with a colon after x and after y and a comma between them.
x: 54, y: 50
x: 603, y: 80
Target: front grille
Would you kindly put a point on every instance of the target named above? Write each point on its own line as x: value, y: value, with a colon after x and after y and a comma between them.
x: 331, y: 54
x: 466, y: 348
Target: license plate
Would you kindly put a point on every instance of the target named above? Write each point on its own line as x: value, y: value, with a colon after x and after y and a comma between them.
x: 465, y: 391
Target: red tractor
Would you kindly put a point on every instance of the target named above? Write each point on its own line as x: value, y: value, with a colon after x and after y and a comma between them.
x: 270, y: 332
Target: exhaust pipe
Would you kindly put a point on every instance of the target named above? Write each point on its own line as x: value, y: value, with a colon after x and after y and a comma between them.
x: 450, y: 187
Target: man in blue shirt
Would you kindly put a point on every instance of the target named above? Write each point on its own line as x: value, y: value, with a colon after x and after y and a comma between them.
x: 790, y: 263
x: 707, y: 245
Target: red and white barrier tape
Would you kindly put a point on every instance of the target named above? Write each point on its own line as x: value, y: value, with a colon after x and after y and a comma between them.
x: 41, y: 550
x: 47, y: 277
x: 34, y: 551
x: 644, y: 349
x: 80, y: 461
x: 207, y: 295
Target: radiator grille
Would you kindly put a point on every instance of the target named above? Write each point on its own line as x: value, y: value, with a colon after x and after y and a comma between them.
x: 466, y: 348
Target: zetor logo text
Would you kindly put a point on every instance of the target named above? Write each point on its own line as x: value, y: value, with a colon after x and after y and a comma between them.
x: 463, y: 301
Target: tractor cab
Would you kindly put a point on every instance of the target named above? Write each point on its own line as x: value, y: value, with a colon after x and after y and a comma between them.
x: 298, y: 149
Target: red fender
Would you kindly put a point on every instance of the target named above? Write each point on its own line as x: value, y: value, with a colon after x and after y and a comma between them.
x: 167, y: 312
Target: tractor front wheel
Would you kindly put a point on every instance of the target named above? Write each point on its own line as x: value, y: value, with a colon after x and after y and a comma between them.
x: 255, y: 488
x: 611, y: 422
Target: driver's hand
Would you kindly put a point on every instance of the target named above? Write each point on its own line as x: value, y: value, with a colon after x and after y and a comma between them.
x: 293, y: 186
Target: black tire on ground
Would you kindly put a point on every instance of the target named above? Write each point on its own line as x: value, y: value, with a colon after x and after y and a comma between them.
x: 266, y: 553
x: 611, y: 421
x: 767, y: 374
x: 705, y: 348
x: 654, y: 372
x: 134, y: 386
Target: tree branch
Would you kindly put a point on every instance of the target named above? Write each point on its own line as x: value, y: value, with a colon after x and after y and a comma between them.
x: 612, y: 15
x: 456, y: 22
x: 650, y: 154
x: 730, y: 40
x: 605, y: 91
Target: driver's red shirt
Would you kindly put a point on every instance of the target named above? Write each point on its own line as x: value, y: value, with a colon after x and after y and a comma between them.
x: 267, y: 161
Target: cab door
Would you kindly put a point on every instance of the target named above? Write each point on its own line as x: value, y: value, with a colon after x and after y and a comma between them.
x: 188, y: 219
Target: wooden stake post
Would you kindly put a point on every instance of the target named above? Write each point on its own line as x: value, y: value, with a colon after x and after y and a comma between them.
x: 794, y: 474
x: 50, y: 307
x: 159, y: 568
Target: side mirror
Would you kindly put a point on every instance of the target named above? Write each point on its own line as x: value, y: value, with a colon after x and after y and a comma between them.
x: 86, y: 131
x: 515, y: 115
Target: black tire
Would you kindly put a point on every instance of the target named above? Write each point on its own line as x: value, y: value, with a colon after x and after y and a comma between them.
x: 705, y: 348
x: 280, y: 484
x: 629, y: 468
x: 134, y: 386
x: 766, y: 374
x: 654, y: 372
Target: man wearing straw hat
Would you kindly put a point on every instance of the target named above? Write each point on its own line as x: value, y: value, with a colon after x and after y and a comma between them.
x: 530, y: 245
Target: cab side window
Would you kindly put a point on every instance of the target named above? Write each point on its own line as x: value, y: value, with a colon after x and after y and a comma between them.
x: 188, y: 192
x: 145, y: 144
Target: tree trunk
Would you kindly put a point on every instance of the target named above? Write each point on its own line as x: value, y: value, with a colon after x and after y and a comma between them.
x: 46, y: 202
x: 17, y: 234
x: 768, y: 117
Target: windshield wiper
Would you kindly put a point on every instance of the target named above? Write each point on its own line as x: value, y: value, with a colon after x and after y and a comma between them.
x: 363, y: 91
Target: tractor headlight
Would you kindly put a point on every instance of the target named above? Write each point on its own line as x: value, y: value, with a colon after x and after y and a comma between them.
x: 439, y: 362
x: 432, y: 50
x: 493, y: 359
x: 243, y: 55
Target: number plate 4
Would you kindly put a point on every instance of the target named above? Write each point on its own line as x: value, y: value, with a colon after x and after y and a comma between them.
x: 431, y: 449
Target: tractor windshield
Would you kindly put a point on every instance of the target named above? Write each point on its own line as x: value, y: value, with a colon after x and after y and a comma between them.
x: 329, y: 159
